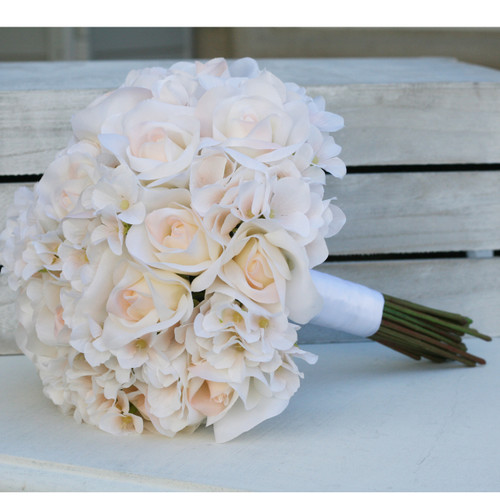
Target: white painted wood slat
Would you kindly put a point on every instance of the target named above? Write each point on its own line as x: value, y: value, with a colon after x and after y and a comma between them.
x: 449, y: 113
x: 467, y: 286
x: 417, y: 212
x: 407, y: 213
x: 417, y: 124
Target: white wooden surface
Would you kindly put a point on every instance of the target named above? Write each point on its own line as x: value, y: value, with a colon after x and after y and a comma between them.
x: 417, y: 212
x: 364, y: 419
x: 397, y: 111
x: 402, y: 212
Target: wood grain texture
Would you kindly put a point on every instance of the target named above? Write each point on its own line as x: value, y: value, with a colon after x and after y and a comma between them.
x: 8, y: 322
x: 402, y: 213
x: 408, y: 111
x: 416, y: 123
x: 64, y: 75
x: 417, y: 212
x: 35, y: 125
x: 467, y: 286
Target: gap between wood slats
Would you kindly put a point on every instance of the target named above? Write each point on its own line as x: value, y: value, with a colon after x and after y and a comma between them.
x: 375, y: 169
x: 379, y: 169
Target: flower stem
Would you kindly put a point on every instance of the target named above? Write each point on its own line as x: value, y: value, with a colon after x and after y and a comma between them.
x: 419, y: 332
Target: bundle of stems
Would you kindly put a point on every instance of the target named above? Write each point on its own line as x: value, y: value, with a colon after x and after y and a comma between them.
x: 422, y: 332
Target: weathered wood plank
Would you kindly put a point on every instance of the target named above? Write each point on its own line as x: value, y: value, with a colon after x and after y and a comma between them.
x: 35, y: 125
x: 417, y: 124
x: 8, y: 323
x: 414, y: 212
x: 466, y: 286
x: 397, y: 111
x: 417, y: 212
x: 64, y: 75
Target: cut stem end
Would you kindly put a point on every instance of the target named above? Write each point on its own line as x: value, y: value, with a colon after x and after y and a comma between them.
x: 422, y: 332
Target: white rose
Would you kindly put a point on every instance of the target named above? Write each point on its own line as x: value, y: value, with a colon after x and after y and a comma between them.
x: 142, y: 303
x: 158, y: 140
x: 210, y: 176
x: 87, y: 123
x: 173, y: 238
x: 167, y: 407
x: 211, y: 398
x: 49, y: 323
x: 234, y: 408
x: 253, y: 118
x: 266, y: 264
x: 145, y: 77
x: 85, y: 307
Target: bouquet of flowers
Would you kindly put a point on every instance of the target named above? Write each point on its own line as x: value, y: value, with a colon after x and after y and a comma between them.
x: 164, y: 260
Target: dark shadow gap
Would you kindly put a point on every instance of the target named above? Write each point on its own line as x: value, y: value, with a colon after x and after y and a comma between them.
x: 399, y: 256
x: 393, y: 169
x: 6, y: 179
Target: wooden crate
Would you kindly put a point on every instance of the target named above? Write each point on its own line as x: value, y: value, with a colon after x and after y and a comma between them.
x: 421, y: 140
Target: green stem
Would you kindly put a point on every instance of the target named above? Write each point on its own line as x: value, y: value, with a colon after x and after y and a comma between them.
x: 442, y: 353
x: 446, y: 324
x: 422, y: 332
x: 422, y: 327
x: 435, y: 312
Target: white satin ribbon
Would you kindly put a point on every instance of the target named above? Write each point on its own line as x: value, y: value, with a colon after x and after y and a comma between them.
x: 347, y: 307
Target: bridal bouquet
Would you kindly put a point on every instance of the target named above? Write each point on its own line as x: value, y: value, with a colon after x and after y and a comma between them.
x: 164, y: 260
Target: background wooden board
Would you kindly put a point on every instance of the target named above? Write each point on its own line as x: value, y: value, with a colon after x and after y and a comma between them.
x: 467, y: 286
x: 397, y: 111
x: 417, y: 212
x: 417, y: 123
x: 64, y: 75
x: 401, y: 213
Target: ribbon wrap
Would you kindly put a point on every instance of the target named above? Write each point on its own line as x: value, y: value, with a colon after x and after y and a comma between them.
x: 347, y: 307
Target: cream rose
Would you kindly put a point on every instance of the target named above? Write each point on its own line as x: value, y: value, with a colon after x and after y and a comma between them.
x: 254, y: 119
x: 210, y: 177
x: 173, y: 238
x: 143, y: 302
x: 158, y: 141
x: 65, y: 179
x: 87, y: 123
x: 233, y: 407
x: 266, y: 264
